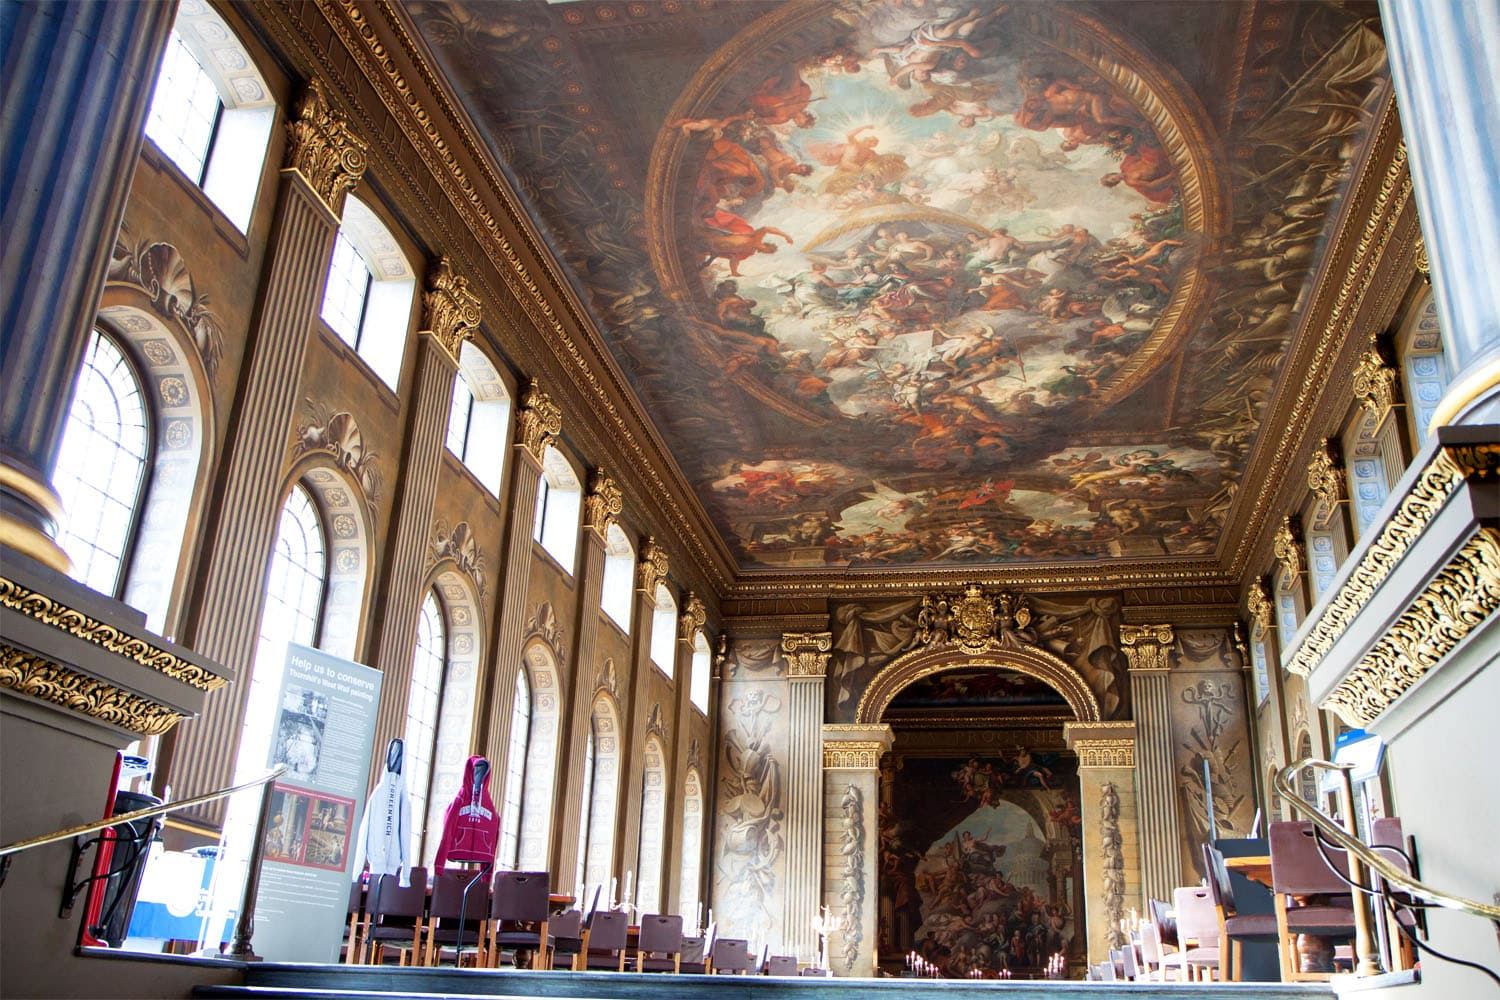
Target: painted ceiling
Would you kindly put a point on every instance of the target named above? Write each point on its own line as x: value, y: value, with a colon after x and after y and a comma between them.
x: 915, y: 282
x: 978, y: 688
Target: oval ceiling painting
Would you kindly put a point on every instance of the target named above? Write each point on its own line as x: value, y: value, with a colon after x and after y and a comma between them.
x: 936, y: 240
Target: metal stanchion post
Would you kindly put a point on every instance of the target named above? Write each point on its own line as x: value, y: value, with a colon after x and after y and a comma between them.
x: 244, y: 928
x: 1364, y: 944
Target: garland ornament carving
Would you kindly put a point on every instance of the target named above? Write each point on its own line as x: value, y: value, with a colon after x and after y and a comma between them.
x: 541, y: 421
x: 1326, y: 480
x: 694, y: 616
x: 807, y: 653
x: 852, y: 847
x: 1146, y: 646
x: 49, y: 612
x: 603, y: 504
x: 450, y: 310
x: 1459, y: 599
x: 1114, y: 862
x: 653, y: 566
x: 1288, y: 547
x: 1375, y: 384
x: 321, y: 148
x: 1258, y: 602
x: 29, y: 674
x: 1451, y: 466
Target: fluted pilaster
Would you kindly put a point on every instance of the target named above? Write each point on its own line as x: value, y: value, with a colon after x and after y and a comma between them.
x: 1146, y: 648
x: 807, y: 656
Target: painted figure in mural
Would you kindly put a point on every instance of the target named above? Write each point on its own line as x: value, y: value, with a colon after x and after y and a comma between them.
x: 751, y: 810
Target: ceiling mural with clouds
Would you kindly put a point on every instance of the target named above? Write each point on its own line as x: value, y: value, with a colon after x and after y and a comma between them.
x: 909, y: 282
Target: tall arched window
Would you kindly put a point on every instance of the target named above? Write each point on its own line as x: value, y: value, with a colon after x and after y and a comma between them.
x: 101, y: 466
x: 428, y: 666
x: 693, y: 818
x: 479, y: 419
x: 702, y: 669
x: 619, y: 570
x: 653, y: 828
x: 367, y: 300
x: 558, y: 505
x: 211, y: 113
x: 597, y: 843
x: 584, y: 815
x: 515, y: 772
x: 664, y: 632
x: 1421, y: 350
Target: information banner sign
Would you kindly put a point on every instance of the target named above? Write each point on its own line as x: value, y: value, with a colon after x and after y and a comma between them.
x: 324, y: 734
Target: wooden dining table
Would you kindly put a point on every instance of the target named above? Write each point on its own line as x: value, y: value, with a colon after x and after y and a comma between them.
x: 1255, y: 867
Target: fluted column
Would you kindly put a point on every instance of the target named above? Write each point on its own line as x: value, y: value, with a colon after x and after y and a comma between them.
x: 1111, y: 847
x: 1445, y: 61
x: 450, y: 316
x: 1145, y: 646
x: 651, y: 570
x: 540, y: 423
x: 807, y: 656
x: 75, y: 86
x: 324, y: 161
x: 851, y: 843
x: 600, y: 509
x: 690, y: 622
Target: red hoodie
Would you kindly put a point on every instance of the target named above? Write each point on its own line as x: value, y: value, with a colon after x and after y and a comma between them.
x: 471, y: 826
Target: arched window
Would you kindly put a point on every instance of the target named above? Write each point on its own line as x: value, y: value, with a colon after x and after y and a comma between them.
x: 1262, y: 671
x: 101, y: 466
x: 600, y: 789
x: 515, y: 772
x: 1421, y: 347
x: 558, y: 505
x: 479, y: 419
x: 1289, y: 610
x: 211, y: 113
x: 653, y: 823
x: 702, y: 668
x: 664, y: 632
x: 692, y: 845
x: 367, y: 300
x: 619, y: 570
x: 428, y: 667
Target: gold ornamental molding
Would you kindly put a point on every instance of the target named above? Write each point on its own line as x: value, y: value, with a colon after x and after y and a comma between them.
x: 1258, y: 603
x: 853, y: 755
x: 653, y: 567
x: 1326, y: 481
x: 694, y: 616
x: 1102, y: 744
x: 1424, y: 266
x: 1287, y: 547
x: 1146, y: 646
x: 44, y: 609
x: 541, y: 421
x: 1375, y: 383
x: 807, y: 653
x: 29, y: 674
x: 450, y: 311
x: 1460, y: 598
x: 1451, y: 466
x: 603, y: 504
x: 321, y: 148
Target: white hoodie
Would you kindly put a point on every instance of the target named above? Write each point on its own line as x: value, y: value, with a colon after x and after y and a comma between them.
x: 385, y: 831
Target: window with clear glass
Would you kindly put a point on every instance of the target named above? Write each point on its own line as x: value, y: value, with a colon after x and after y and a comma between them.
x: 559, y: 504
x: 348, y: 291
x: 101, y: 466
x: 479, y: 418
x: 702, y: 669
x: 664, y: 632
x: 515, y: 772
x: 601, y: 791
x: 429, y: 664
x: 653, y: 823
x: 693, y: 817
x: 211, y: 113
x: 618, y: 590
x: 368, y: 296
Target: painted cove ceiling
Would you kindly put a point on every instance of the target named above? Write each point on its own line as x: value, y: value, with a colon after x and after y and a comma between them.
x: 908, y: 283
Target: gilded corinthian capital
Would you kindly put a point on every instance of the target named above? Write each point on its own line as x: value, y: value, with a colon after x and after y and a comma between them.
x: 323, y: 150
x: 1288, y: 547
x: 1375, y: 383
x: 450, y: 311
x: 653, y: 567
x: 807, y: 653
x: 1145, y: 646
x: 1325, y: 480
x: 541, y: 421
x: 694, y: 616
x: 603, y: 504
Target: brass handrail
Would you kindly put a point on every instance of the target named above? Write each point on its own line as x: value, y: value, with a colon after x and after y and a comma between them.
x: 130, y: 817
x: 1372, y: 859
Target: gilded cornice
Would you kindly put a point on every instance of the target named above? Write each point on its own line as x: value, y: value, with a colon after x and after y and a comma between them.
x: 1146, y: 646
x: 1449, y: 468
x: 1288, y: 547
x: 694, y: 616
x: 321, y: 148
x: 450, y: 311
x: 807, y: 653
x: 1455, y: 602
x: 1102, y: 744
x: 853, y: 755
x: 603, y: 504
x: 48, y: 611
x: 541, y: 421
x: 653, y: 567
x: 29, y: 674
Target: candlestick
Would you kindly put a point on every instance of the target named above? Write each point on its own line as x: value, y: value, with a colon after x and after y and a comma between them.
x: 614, y: 900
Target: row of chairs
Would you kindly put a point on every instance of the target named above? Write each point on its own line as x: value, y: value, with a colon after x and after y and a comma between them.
x: 478, y: 923
x: 1202, y: 934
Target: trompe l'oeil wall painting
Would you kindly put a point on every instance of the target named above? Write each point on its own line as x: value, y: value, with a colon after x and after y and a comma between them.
x: 923, y: 282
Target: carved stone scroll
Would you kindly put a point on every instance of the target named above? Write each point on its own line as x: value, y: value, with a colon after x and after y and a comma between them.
x: 450, y: 311
x: 603, y: 504
x: 541, y: 421
x: 321, y: 148
x: 652, y: 568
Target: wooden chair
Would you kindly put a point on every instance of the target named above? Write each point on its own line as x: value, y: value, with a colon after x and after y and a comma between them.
x: 605, y: 937
x: 781, y: 965
x: 569, y: 939
x: 518, y: 918
x: 354, y: 929
x: 1234, y: 928
x: 694, y: 956
x: 1197, y: 932
x: 730, y: 956
x: 1151, y: 952
x: 1322, y: 908
x: 397, y: 918
x: 659, y: 948
x: 453, y: 921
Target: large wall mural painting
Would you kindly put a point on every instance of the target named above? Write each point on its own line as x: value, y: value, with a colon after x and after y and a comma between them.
x: 933, y: 283
x: 981, y: 862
